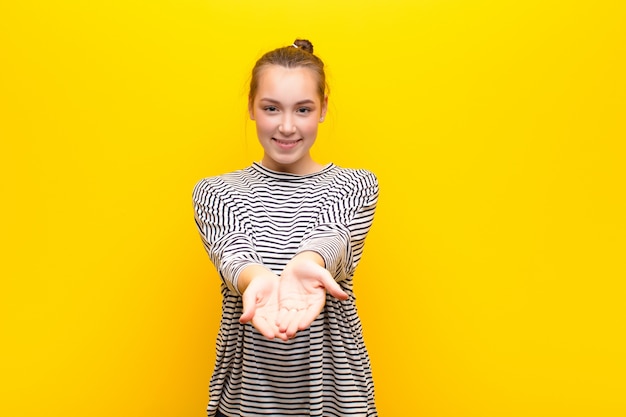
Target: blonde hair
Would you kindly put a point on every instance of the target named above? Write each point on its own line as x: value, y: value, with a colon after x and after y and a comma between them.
x: 300, y: 54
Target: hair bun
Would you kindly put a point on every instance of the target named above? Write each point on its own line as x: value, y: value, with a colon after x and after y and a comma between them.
x: 304, y: 45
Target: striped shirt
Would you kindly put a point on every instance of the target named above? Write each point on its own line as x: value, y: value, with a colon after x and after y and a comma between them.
x: 259, y: 216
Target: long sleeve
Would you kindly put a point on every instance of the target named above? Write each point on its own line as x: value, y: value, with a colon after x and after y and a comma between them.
x: 256, y: 215
x: 339, y: 233
x: 222, y: 231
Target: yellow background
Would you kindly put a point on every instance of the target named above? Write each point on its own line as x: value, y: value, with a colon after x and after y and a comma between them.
x: 493, y: 280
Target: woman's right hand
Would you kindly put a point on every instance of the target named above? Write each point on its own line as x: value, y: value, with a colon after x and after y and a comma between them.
x: 260, y: 301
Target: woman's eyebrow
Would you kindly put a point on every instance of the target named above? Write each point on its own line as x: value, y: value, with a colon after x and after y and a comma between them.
x: 271, y: 100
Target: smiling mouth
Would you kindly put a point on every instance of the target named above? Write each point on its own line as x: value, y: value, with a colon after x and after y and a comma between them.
x: 286, y: 143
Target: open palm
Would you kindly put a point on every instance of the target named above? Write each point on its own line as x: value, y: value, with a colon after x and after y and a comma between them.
x: 302, y: 295
x: 260, y: 306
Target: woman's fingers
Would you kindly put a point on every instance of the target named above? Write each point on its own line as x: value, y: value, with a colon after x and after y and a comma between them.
x: 307, y: 318
x: 288, y: 321
x: 265, y: 327
x: 302, y: 296
x: 249, y: 306
x: 333, y: 288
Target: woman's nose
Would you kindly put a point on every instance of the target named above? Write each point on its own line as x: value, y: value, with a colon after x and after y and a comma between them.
x: 287, y: 125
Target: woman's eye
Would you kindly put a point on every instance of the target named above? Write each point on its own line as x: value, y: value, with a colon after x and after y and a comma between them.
x: 304, y: 110
x: 271, y: 108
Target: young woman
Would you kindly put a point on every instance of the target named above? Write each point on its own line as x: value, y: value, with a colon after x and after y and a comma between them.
x: 286, y: 235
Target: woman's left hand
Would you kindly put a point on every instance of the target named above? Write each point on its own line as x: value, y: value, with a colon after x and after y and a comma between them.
x: 302, y: 293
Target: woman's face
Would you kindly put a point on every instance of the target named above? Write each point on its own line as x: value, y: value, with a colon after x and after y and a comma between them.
x: 287, y: 110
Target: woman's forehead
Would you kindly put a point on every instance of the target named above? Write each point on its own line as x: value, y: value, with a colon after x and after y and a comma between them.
x: 282, y: 81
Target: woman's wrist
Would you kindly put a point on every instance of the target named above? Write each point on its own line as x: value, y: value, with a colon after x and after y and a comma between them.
x: 248, y: 274
x: 309, y: 255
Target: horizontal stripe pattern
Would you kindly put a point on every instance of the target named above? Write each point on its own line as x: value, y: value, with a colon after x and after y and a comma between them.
x: 259, y: 216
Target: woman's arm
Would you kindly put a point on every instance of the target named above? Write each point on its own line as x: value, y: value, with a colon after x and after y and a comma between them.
x: 340, y: 231
x: 233, y: 253
x: 223, y: 233
x: 329, y: 253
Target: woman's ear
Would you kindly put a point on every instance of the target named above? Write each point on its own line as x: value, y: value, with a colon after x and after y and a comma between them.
x: 251, y: 108
x: 324, y: 109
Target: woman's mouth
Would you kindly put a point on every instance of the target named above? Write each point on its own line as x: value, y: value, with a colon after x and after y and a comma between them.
x: 286, y: 144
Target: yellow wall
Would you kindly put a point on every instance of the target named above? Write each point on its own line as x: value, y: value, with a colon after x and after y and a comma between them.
x: 493, y: 280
